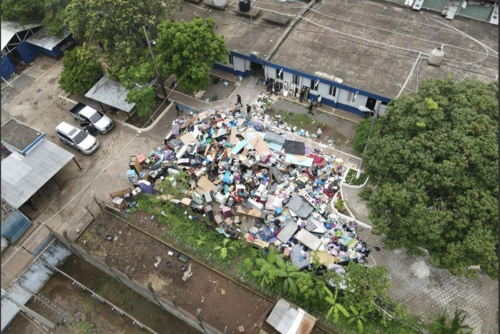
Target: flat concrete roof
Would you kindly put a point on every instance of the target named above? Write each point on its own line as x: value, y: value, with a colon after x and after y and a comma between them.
x: 238, y: 30
x: 19, y: 135
x: 367, y: 43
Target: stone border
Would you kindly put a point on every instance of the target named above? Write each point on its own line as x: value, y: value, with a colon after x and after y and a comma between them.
x: 353, y: 186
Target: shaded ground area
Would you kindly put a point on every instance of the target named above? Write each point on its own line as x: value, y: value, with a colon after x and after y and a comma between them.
x: 81, y: 311
x: 223, y: 302
x: 339, y: 130
x: 218, y: 90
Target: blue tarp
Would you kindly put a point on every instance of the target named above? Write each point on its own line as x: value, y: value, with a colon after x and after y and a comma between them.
x: 28, y: 52
x: 7, y: 68
x: 15, y: 226
x: 55, y: 52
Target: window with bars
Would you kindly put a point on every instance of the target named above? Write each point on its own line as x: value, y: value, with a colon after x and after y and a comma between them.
x: 352, y: 97
x: 333, y: 91
x: 279, y: 74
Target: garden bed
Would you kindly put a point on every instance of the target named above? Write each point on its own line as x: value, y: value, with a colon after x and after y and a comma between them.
x: 351, y: 178
x: 134, y: 253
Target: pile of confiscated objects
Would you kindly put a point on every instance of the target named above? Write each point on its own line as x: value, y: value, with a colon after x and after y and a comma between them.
x: 254, y: 182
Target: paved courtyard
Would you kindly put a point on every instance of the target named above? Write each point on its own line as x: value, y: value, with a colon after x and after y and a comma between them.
x: 39, y: 103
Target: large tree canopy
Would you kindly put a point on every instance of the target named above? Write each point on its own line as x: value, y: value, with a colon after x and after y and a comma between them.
x: 81, y: 70
x: 434, y: 159
x: 49, y: 13
x: 118, y: 26
x: 189, y: 50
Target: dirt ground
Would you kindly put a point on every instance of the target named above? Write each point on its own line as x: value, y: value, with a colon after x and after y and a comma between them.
x: 339, y: 130
x: 81, y: 311
x: 223, y: 302
x: 222, y: 92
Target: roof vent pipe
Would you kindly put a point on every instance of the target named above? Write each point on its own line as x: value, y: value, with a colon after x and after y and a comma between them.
x: 436, y: 56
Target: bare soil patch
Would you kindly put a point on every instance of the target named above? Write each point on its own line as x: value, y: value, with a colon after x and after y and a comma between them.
x: 223, y: 302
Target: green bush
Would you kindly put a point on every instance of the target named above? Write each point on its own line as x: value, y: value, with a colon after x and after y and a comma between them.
x: 362, y: 131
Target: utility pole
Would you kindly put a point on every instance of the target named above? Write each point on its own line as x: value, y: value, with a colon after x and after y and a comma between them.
x: 154, y: 64
x: 374, y: 120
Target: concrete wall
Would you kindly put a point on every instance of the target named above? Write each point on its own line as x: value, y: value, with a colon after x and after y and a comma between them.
x: 140, y: 289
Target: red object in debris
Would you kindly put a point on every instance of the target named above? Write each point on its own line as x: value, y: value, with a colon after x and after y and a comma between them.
x: 317, y: 160
x: 251, y: 237
x: 141, y: 158
x: 312, y: 177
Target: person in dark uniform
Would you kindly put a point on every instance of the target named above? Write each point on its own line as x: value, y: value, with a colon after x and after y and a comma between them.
x: 178, y: 110
x: 238, y: 100
x: 249, y: 109
x: 310, y: 108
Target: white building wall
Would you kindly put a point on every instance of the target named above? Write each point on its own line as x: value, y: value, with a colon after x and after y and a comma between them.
x: 382, y: 109
x: 287, y: 77
x: 361, y: 101
x: 324, y: 90
x: 270, y: 72
x: 239, y: 64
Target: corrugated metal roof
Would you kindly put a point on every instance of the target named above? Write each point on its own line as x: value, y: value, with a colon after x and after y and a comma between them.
x: 110, y: 92
x: 41, y: 39
x: 282, y: 316
x: 22, y: 177
x: 289, y: 320
x: 10, y: 28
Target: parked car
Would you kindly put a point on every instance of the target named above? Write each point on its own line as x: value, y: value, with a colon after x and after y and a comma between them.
x: 82, y: 141
x: 84, y: 114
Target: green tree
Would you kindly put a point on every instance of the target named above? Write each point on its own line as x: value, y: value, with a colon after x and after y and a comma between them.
x: 49, y: 13
x: 443, y: 325
x: 137, y: 79
x: 118, y: 26
x: 362, y: 131
x: 189, y: 50
x: 22, y: 11
x: 81, y: 70
x: 434, y: 159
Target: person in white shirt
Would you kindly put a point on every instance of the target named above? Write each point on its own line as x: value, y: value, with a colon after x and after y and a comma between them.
x: 319, y: 132
x: 319, y: 100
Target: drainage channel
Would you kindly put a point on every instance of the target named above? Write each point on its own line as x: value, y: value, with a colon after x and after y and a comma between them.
x: 102, y: 300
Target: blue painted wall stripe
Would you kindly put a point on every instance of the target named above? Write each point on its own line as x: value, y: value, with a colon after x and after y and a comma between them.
x: 26, y: 150
x: 254, y: 59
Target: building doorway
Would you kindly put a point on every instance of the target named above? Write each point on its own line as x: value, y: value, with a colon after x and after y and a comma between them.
x: 370, y: 104
x: 257, y: 70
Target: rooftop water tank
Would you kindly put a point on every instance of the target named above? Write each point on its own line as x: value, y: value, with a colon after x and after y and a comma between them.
x: 244, y: 5
x: 436, y: 56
